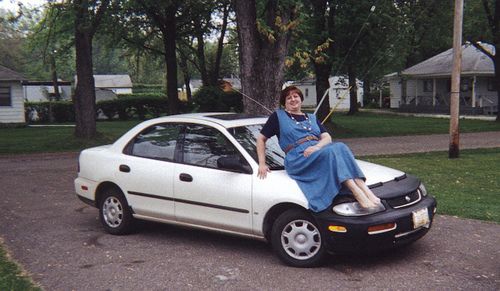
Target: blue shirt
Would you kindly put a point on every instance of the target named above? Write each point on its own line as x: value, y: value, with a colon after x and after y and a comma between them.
x: 272, y: 126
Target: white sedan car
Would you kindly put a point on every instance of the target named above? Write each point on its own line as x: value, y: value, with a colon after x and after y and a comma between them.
x: 200, y: 170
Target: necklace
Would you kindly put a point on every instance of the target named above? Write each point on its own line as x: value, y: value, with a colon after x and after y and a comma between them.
x: 307, y: 127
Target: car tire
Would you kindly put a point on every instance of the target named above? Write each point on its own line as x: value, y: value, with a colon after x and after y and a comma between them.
x: 296, y: 239
x: 115, y: 213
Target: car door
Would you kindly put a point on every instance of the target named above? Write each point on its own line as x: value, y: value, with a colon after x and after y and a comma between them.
x: 205, y: 194
x: 146, y: 173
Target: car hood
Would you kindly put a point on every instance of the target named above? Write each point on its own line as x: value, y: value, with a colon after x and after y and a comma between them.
x: 377, y: 173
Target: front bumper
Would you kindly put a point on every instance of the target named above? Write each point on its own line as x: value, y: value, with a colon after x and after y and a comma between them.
x: 356, y: 238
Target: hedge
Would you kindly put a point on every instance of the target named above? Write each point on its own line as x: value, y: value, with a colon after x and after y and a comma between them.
x: 61, y: 111
x: 137, y: 105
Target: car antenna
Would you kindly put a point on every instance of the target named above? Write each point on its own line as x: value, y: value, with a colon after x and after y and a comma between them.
x: 255, y: 101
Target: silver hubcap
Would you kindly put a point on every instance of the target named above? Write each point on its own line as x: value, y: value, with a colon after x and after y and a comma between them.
x: 301, y: 239
x: 112, y: 211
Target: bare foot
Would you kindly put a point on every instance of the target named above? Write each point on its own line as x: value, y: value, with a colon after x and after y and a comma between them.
x: 368, y: 192
x: 360, y: 195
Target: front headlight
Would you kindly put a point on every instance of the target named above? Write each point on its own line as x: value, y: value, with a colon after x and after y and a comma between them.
x: 354, y: 209
x: 422, y: 189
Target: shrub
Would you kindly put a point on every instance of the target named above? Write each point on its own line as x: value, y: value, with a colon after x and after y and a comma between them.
x: 62, y: 111
x: 148, y: 88
x: 142, y: 106
x: 213, y: 99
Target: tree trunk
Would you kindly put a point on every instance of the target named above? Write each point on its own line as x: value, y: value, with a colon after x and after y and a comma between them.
x: 496, y: 63
x: 169, y: 41
x: 322, y: 84
x: 84, y: 99
x: 367, y: 91
x: 323, y: 25
x: 220, y: 46
x: 262, y: 59
x: 53, y: 72
x: 200, y: 53
x: 186, y: 76
x: 85, y: 88
x: 353, y: 92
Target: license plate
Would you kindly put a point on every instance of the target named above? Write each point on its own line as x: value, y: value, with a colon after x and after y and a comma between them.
x: 420, y: 218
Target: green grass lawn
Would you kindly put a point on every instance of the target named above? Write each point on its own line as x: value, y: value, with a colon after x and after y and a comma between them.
x: 468, y: 187
x: 11, y: 277
x: 365, y: 124
x: 57, y: 138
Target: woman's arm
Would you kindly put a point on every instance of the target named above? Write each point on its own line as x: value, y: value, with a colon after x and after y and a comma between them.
x: 324, y: 139
x: 261, y: 155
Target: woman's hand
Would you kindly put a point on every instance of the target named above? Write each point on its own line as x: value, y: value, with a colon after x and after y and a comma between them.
x: 310, y: 150
x: 263, y: 170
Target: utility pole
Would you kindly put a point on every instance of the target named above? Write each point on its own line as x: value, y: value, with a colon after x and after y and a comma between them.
x: 455, y: 80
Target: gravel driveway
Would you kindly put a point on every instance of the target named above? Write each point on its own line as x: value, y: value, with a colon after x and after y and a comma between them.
x: 60, y: 243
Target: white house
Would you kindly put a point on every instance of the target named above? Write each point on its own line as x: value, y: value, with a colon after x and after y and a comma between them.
x: 119, y: 84
x: 108, y: 86
x: 11, y: 96
x: 338, y: 92
x: 426, y: 86
x: 35, y: 91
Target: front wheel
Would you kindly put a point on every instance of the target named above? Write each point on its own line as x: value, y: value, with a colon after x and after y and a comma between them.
x: 114, y: 212
x: 297, y: 240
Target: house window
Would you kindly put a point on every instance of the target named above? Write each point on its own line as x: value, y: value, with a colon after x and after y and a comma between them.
x: 464, y: 85
x: 5, y: 99
x: 492, y: 86
x: 307, y: 92
x: 428, y: 85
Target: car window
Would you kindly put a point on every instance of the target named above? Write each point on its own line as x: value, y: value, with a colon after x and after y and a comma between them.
x: 156, y: 142
x: 204, y: 145
x: 247, y: 137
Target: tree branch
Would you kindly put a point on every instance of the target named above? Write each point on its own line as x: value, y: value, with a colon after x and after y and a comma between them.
x: 487, y: 9
x: 480, y: 47
x: 98, y: 16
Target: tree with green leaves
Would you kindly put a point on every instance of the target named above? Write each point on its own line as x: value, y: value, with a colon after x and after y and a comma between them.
x: 50, y: 43
x: 485, y: 29
x: 319, y: 34
x: 87, y: 18
x: 264, y: 32
x: 428, y: 28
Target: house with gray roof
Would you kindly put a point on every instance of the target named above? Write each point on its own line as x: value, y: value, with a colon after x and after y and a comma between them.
x: 108, y: 86
x: 425, y: 87
x: 11, y: 96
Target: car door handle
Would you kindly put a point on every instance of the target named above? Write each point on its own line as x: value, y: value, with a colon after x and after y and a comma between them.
x: 185, y: 177
x: 124, y: 168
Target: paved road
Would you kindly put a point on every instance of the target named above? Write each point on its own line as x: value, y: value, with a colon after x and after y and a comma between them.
x: 60, y: 243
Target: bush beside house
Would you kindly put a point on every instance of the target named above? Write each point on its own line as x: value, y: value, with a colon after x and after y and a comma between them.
x: 141, y: 106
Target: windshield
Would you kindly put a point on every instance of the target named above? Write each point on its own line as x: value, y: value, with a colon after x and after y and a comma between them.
x: 247, y: 137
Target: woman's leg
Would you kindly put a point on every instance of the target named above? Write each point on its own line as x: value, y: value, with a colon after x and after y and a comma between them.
x: 368, y: 192
x: 359, y: 194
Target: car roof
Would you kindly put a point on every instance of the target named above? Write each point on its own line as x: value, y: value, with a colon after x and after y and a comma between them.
x: 225, y: 119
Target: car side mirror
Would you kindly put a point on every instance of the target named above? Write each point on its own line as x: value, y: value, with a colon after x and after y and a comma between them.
x: 233, y: 163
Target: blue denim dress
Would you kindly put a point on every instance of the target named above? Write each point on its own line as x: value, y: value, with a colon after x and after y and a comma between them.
x: 319, y: 176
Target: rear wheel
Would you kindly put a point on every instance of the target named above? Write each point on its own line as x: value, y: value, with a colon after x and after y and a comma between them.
x: 114, y: 212
x: 296, y: 239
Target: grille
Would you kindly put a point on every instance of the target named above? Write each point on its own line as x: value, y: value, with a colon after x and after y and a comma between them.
x: 405, y: 200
